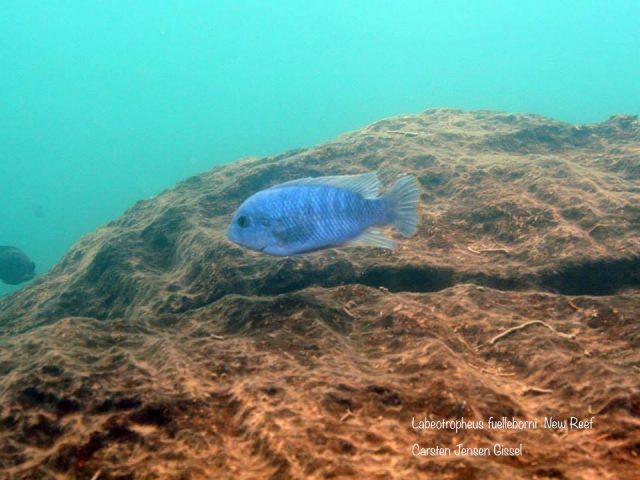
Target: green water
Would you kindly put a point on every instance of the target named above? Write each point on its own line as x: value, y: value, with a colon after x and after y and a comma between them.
x: 106, y: 102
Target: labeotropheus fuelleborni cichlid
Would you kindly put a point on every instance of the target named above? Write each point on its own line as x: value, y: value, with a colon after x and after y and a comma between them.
x: 316, y: 213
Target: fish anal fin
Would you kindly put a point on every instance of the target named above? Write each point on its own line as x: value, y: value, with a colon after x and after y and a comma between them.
x: 373, y: 238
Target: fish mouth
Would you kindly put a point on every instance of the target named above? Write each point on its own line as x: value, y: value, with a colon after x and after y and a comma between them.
x: 249, y: 247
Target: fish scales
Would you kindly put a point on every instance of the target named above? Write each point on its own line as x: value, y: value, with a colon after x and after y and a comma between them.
x: 318, y: 214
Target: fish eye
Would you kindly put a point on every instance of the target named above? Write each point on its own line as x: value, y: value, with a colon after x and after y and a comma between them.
x: 243, y: 222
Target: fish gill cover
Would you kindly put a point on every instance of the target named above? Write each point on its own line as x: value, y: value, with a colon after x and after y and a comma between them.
x: 158, y: 349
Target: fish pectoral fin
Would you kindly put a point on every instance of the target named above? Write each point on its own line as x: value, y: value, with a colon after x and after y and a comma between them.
x: 288, y: 234
x: 365, y: 184
x: 373, y: 238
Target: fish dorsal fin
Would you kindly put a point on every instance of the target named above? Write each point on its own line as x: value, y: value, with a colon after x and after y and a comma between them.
x: 373, y: 238
x: 366, y: 184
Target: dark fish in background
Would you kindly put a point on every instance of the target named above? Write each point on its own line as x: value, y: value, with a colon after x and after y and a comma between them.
x: 38, y: 210
x: 15, y: 266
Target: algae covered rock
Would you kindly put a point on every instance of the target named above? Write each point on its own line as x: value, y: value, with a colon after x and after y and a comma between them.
x: 158, y: 349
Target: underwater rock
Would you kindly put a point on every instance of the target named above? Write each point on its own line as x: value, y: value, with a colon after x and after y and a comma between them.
x: 158, y: 349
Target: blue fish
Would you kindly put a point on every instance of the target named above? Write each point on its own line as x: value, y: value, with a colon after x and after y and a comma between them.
x: 312, y: 214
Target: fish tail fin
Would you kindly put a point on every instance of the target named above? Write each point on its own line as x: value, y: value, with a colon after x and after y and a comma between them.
x: 402, y: 205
